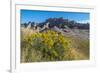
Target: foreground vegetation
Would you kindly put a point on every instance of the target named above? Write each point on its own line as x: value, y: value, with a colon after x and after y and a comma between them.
x: 52, y: 46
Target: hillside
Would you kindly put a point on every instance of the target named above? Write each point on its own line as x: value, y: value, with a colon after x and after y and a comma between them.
x: 59, y: 22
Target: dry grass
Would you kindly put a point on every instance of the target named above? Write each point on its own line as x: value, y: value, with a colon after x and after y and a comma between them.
x: 78, y: 49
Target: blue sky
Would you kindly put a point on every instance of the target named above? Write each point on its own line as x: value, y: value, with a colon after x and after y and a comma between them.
x: 41, y: 16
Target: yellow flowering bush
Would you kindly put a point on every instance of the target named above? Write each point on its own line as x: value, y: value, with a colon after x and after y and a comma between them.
x: 50, y: 45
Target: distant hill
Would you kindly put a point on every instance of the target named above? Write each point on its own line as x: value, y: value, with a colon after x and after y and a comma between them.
x: 60, y: 23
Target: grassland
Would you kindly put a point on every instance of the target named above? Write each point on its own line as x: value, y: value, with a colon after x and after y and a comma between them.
x: 52, y: 46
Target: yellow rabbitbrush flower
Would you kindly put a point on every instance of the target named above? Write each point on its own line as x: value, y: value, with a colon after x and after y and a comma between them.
x: 63, y: 41
x: 49, y: 44
x: 47, y: 39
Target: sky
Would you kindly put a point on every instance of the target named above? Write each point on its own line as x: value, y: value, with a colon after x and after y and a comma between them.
x: 40, y: 16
